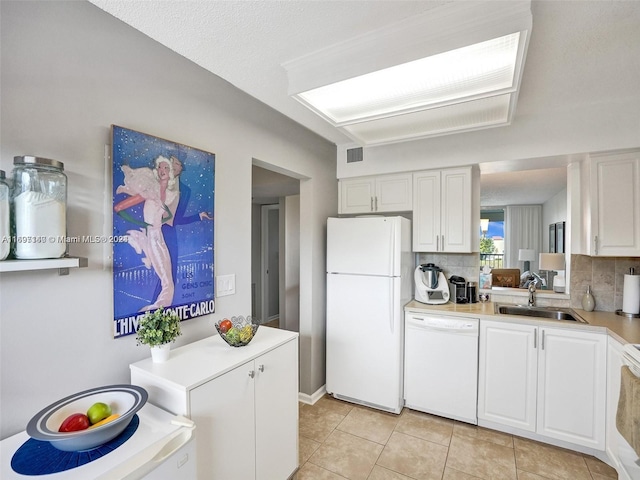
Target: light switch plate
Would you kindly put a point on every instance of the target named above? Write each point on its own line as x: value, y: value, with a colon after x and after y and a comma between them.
x: 225, y: 285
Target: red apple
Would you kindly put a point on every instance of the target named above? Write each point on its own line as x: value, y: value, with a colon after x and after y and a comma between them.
x: 225, y: 325
x: 74, y: 423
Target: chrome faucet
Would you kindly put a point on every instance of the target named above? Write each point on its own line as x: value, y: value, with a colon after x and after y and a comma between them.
x: 532, y: 291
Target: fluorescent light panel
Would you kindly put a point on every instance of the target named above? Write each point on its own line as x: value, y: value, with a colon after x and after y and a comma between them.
x: 471, y: 115
x: 466, y: 73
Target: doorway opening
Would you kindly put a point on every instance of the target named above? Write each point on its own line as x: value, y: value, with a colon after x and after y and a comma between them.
x: 275, y: 252
x: 270, y: 268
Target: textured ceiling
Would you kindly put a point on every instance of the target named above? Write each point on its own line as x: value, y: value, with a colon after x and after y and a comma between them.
x: 580, y: 52
x: 246, y: 42
x: 530, y: 187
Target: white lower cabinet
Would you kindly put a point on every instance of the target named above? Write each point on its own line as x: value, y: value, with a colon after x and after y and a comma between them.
x: 244, y: 402
x: 507, y: 374
x: 546, y: 380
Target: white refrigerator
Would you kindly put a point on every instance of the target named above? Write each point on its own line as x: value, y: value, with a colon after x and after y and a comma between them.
x: 369, y: 280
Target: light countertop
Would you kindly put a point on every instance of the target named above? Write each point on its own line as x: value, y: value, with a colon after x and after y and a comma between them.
x: 623, y: 329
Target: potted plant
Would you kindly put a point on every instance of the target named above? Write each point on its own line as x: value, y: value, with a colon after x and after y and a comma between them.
x: 158, y: 329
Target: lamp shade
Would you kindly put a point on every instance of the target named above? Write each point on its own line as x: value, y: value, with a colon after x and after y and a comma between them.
x: 526, y: 254
x: 552, y: 261
x: 484, y: 224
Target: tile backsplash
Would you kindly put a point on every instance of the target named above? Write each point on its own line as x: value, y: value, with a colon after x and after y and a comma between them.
x: 604, y: 274
x: 606, y: 277
x: 465, y: 265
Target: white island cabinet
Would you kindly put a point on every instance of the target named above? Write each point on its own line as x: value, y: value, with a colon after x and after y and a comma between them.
x: 244, y: 402
x: 545, y: 380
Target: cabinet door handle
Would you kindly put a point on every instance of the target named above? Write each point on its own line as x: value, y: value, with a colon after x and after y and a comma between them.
x: 535, y: 338
x: 443, y: 242
x: 252, y: 373
x: 595, y: 244
x: 542, y: 341
x: 437, y: 243
x: 376, y: 204
x: 372, y: 204
x: 261, y: 368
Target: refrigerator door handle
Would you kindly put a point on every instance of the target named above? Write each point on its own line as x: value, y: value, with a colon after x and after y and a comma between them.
x: 391, y: 307
x: 392, y: 242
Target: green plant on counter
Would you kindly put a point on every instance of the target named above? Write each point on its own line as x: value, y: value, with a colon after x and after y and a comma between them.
x: 158, y: 327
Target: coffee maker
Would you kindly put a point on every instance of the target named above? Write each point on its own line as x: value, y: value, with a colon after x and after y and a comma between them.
x: 459, y: 290
x: 431, y: 284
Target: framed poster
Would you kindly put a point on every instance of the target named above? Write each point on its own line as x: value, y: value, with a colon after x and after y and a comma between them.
x: 552, y: 238
x: 559, y: 237
x: 163, y: 252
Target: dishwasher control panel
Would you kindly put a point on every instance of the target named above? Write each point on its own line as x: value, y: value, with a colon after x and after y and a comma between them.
x: 442, y: 322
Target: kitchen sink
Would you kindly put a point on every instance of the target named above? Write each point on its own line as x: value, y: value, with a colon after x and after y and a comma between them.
x: 553, y: 313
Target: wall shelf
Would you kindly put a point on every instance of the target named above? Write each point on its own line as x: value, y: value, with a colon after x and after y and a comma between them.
x: 62, y: 264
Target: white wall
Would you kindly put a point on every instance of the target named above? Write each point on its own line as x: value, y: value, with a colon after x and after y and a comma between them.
x: 68, y: 72
x: 554, y: 210
x: 256, y: 258
x: 290, y: 311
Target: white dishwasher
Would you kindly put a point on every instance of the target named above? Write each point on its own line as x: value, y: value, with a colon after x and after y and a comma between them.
x: 441, y: 365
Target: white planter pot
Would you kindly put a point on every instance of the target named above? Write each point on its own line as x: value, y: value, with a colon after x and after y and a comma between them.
x: 160, y: 353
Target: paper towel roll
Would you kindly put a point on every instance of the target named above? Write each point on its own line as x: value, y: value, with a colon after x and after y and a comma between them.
x: 631, y: 294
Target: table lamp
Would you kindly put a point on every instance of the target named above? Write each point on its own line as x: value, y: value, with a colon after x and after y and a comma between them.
x: 526, y: 255
x: 554, y: 262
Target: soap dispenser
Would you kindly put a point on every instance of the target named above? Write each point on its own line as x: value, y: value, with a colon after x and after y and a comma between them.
x: 588, y: 302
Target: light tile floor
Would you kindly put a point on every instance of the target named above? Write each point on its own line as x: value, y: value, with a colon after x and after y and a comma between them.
x: 339, y: 440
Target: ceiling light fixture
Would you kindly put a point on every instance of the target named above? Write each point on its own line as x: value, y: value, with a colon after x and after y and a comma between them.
x: 462, y: 79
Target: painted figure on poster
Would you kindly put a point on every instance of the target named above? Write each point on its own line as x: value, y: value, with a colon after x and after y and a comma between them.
x: 179, y: 218
x: 157, y: 189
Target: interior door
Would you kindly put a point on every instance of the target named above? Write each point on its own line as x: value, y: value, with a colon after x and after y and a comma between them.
x: 270, y: 263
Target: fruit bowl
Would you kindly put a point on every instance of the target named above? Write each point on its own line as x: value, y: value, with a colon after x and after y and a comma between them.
x: 240, y: 333
x: 124, y: 400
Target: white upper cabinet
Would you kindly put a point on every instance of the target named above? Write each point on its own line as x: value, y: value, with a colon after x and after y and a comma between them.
x: 377, y: 194
x: 446, y: 210
x: 615, y: 204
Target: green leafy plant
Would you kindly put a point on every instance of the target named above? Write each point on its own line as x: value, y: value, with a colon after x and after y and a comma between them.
x: 487, y: 245
x: 158, y: 327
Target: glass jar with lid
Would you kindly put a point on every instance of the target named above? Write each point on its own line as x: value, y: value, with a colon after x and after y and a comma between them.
x: 5, y: 233
x: 39, y: 206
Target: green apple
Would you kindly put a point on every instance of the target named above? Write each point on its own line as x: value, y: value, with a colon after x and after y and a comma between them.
x: 98, y: 411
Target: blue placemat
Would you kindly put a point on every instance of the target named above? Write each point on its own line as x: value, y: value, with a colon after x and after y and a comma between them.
x: 36, y: 457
